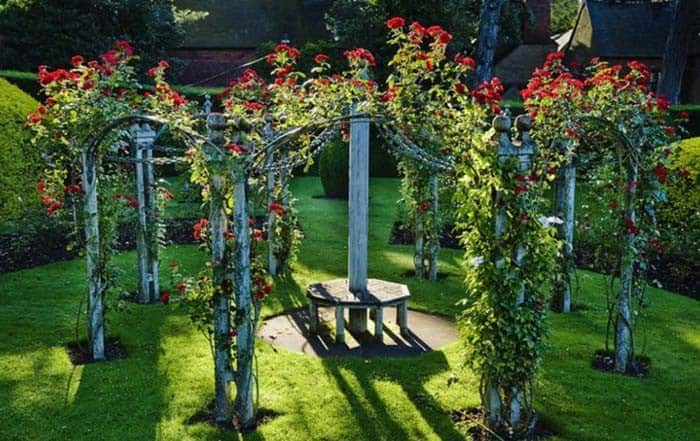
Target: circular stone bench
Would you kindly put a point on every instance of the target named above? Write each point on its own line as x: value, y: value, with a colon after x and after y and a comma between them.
x: 379, y: 294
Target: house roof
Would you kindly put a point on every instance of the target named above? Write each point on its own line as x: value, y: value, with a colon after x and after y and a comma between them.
x: 248, y: 23
x: 622, y: 30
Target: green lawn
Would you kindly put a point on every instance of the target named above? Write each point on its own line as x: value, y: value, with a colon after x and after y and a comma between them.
x: 167, y: 377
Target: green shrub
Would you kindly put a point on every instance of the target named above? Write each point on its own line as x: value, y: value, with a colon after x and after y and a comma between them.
x: 20, y: 165
x: 333, y: 168
x: 680, y: 219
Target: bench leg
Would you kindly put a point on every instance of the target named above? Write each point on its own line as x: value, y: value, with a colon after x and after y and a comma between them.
x: 313, y: 318
x: 358, y: 320
x: 379, y: 324
x: 402, y: 317
x: 339, y: 325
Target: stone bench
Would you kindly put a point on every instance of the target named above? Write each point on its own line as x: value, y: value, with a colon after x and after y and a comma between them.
x: 380, y: 294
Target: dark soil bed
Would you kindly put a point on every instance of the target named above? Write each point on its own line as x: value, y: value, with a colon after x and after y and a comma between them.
x: 27, y: 251
x: 605, y: 361
x: 665, y: 269
x: 471, y: 420
x: 403, y: 235
x: 79, y: 353
x: 207, y: 416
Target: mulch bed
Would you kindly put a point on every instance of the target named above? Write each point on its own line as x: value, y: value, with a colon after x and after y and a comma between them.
x: 471, y: 420
x: 206, y: 416
x: 79, y: 353
x: 605, y: 361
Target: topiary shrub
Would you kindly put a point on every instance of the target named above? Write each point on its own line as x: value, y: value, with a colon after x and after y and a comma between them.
x: 20, y: 164
x: 333, y: 168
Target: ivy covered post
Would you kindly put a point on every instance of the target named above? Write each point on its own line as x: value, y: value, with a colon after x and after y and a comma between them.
x: 510, y: 254
x: 623, y: 323
x: 358, y: 216
x: 564, y: 206
x: 523, y: 153
x: 146, y: 251
x: 244, y: 410
x: 93, y: 257
x: 219, y: 261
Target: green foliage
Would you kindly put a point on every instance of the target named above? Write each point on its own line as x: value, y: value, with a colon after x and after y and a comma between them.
x: 362, y: 24
x: 20, y: 163
x: 680, y: 219
x: 48, y: 32
x: 564, y: 14
x: 333, y: 169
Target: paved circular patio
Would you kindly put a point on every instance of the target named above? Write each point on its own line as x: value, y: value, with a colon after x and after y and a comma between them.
x: 291, y: 331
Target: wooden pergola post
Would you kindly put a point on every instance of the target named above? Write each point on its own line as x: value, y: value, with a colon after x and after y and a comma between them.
x: 93, y: 258
x: 146, y: 235
x: 564, y: 206
x: 222, y: 287
x: 358, y: 212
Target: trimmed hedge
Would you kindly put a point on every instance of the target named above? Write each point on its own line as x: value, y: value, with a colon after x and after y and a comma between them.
x: 20, y: 164
x: 333, y: 168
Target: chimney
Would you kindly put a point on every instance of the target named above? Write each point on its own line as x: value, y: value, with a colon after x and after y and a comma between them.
x: 539, y: 31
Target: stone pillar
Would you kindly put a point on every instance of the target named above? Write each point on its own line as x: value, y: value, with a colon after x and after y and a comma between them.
x: 564, y: 205
x: 222, y: 299
x: 358, y: 211
x: 93, y: 259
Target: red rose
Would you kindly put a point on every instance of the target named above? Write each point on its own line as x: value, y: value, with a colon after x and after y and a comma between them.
x: 181, y: 287
x: 163, y: 64
x: 631, y: 227
x: 165, y: 297
x: 460, y: 89
x: 152, y: 72
x: 661, y: 173
x: 236, y: 148
x: 77, y: 60
x: 684, y: 115
x: 40, y: 186
x: 395, y: 22
x: 257, y: 234
x: 320, y: 58
x: 671, y: 131
x: 424, y: 206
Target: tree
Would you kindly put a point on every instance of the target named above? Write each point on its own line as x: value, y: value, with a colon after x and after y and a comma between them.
x: 685, y: 22
x: 487, y: 39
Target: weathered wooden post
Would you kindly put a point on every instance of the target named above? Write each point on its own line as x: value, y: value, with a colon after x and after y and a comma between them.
x: 623, y: 323
x: 435, y: 241
x: 143, y: 142
x: 358, y: 212
x: 222, y: 287
x: 523, y: 151
x: 151, y: 213
x: 564, y: 205
x: 93, y: 257
x: 271, y: 218
x: 418, y: 255
x: 245, y: 328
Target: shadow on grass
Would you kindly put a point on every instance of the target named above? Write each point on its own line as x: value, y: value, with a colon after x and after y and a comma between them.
x: 371, y: 412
